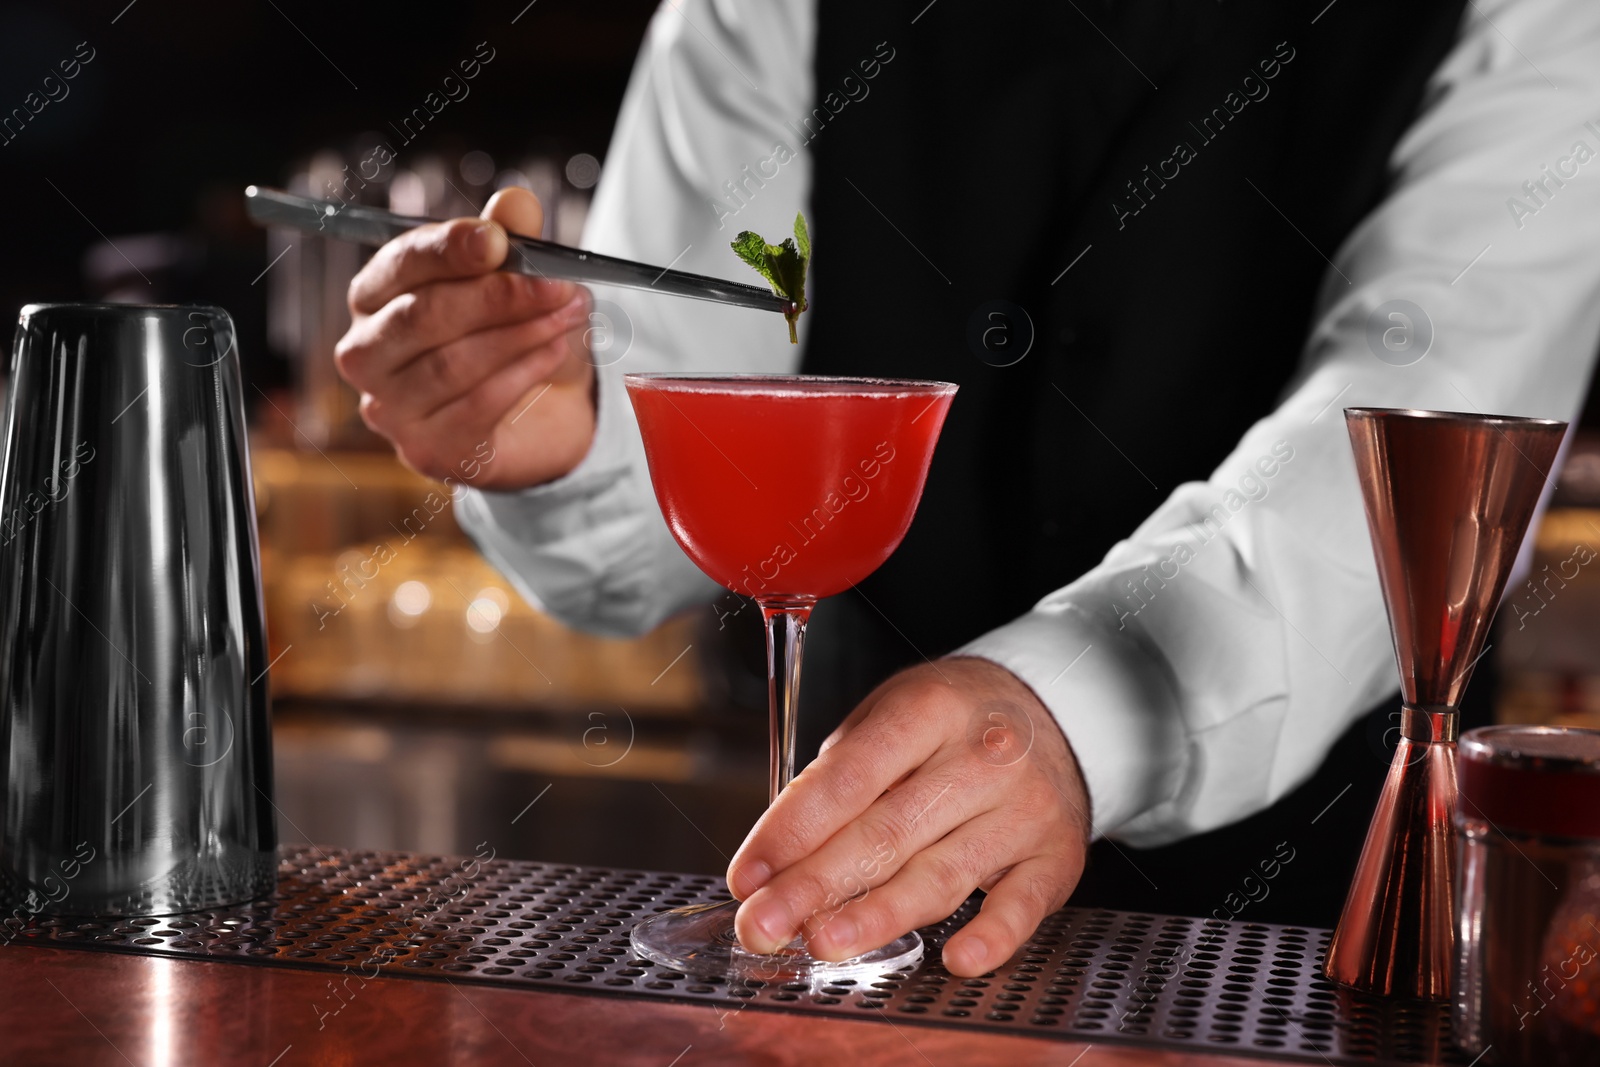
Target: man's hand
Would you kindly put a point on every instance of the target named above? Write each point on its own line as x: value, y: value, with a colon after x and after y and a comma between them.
x: 450, y: 354
x: 950, y: 777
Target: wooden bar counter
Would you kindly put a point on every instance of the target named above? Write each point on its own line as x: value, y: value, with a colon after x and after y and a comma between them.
x: 89, y: 1008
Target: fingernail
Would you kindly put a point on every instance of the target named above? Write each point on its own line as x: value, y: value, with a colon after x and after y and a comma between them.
x: 970, y: 954
x: 749, y: 877
x: 838, y: 936
x: 774, y: 927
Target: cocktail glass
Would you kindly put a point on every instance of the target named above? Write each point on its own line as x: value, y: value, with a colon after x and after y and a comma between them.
x: 785, y: 489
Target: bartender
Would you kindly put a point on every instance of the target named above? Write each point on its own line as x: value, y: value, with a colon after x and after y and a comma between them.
x: 1201, y: 230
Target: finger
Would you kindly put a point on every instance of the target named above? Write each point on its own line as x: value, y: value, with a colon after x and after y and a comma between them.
x: 1011, y: 912
x: 436, y: 443
x: 872, y: 849
x: 840, y: 784
x: 517, y: 210
x: 850, y: 722
x: 437, y: 314
x: 444, y: 374
x: 932, y: 884
x: 990, y: 882
x: 459, y: 248
x: 517, y: 387
x: 862, y: 710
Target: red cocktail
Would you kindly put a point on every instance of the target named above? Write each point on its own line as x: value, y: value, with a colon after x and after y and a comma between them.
x: 788, y: 486
x: 785, y: 489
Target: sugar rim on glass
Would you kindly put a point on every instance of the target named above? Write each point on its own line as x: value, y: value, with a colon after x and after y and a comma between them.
x: 786, y: 385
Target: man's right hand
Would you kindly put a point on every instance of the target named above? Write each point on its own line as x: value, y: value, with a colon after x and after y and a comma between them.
x: 450, y: 354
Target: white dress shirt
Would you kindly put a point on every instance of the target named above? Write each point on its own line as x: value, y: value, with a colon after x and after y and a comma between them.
x: 1222, y: 681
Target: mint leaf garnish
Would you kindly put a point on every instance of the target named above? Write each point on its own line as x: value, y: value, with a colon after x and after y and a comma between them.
x: 782, y: 265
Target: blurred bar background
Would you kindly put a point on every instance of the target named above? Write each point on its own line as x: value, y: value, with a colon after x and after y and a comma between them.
x: 426, y: 706
x: 419, y: 702
x: 1547, y: 635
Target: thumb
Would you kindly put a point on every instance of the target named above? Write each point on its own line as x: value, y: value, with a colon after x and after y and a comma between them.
x: 517, y: 211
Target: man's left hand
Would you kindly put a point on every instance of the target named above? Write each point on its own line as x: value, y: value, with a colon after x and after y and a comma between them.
x: 949, y: 777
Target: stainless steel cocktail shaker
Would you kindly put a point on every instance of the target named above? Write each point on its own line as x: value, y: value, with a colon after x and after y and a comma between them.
x: 134, y: 732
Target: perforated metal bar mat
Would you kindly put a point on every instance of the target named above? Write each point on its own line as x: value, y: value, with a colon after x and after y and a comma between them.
x: 1101, y: 976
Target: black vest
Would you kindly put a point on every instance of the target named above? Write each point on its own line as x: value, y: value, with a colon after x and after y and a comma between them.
x: 1133, y: 178
x: 1156, y: 186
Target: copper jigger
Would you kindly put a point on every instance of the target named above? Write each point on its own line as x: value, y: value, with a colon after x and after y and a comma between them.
x: 1449, y: 497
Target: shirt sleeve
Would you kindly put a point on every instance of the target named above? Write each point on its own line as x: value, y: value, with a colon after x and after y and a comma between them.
x: 700, y: 152
x: 1209, y: 662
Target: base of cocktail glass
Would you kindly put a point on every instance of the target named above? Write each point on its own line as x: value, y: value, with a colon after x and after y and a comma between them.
x: 698, y: 939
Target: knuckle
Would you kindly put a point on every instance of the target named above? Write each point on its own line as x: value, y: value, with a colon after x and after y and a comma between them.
x: 812, y: 900
x: 456, y: 242
x: 1072, y: 811
x: 418, y: 454
x: 423, y: 248
x: 879, y: 745
x: 899, y: 912
x: 834, y: 771
x: 888, y: 720
x: 1012, y: 926
x: 349, y: 357
x: 845, y: 883
x: 1024, y: 898
x: 402, y: 260
x: 889, y: 823
x: 912, y: 688
x: 374, y: 413
x: 904, y: 808
x: 449, y: 368
x: 401, y: 263
x: 486, y: 404
x: 873, y: 919
x: 847, y: 777
x: 949, y: 874
x: 1033, y: 890
x: 1045, y: 890
x: 917, y: 698
x: 494, y: 294
x: 363, y: 295
x: 975, y: 856
x: 490, y: 396
x: 504, y: 293
x: 354, y: 293
x: 413, y: 313
x: 893, y: 913
x: 1035, y: 794
x: 795, y: 836
x: 943, y: 700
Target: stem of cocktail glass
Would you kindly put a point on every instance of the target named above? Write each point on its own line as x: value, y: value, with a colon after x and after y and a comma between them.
x: 786, y: 636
